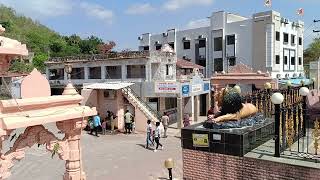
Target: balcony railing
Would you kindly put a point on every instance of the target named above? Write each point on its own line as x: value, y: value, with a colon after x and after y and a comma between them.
x: 111, y: 55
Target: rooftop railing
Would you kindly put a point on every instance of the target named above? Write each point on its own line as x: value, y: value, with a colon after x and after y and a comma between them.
x: 111, y: 55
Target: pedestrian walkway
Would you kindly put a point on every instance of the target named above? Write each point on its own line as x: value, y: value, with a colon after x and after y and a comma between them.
x: 108, y: 157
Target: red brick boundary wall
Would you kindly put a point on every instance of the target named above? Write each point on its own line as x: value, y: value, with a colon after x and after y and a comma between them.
x: 198, y: 165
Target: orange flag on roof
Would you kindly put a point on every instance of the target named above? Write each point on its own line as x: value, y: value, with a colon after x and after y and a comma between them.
x: 300, y: 11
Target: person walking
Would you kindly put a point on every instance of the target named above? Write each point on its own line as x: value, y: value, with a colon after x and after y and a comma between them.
x: 128, y: 120
x: 96, y: 124
x: 149, y: 134
x: 157, y: 136
x: 165, y: 122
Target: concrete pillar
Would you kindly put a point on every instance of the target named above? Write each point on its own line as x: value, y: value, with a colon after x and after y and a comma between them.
x: 47, y: 73
x: 123, y: 72
x: 103, y: 72
x: 180, y: 107
x: 196, y: 108
x: 86, y: 73
x: 73, y: 165
x: 162, y: 104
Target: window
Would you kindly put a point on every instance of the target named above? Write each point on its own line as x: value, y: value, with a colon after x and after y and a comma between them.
x: 285, y: 37
x: 293, y: 37
x: 202, y: 43
x: 218, y: 64
x: 146, y: 48
x: 94, y: 72
x: 293, y: 60
x: 300, y: 61
x: 113, y: 72
x: 231, y: 39
x: 232, y: 61
x: 218, y: 44
x: 300, y: 41
x: 277, y: 59
x: 186, y: 45
x: 170, y: 103
x: 136, y: 71
x: 77, y: 73
x: 286, y: 60
x: 56, y: 74
x: 158, y: 46
x: 277, y: 36
x: 171, y: 44
x: 169, y: 69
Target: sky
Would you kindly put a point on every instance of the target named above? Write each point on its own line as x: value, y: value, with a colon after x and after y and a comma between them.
x: 124, y: 20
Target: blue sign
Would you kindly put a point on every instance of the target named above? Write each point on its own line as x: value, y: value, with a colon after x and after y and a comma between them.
x: 185, y: 90
x: 206, y: 87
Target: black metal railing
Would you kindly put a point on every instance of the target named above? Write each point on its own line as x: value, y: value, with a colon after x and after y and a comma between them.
x: 147, y: 106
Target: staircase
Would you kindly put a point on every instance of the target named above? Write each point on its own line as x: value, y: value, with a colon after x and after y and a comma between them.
x: 133, y: 98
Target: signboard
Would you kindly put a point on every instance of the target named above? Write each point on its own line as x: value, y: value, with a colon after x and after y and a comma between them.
x: 185, y: 90
x: 206, y: 87
x: 196, y: 88
x: 200, y: 140
x: 166, y: 87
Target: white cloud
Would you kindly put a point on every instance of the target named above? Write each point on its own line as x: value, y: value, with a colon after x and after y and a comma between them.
x: 140, y: 9
x: 172, y: 5
x: 40, y: 8
x: 97, y: 11
x: 198, y: 23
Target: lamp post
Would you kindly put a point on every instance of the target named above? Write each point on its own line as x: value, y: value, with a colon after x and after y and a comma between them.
x: 69, y: 89
x: 313, y: 82
x: 304, y: 91
x: 169, y: 164
x: 277, y: 99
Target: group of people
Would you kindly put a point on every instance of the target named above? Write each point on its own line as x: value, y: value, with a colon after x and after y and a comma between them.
x: 95, y: 124
x: 155, y: 135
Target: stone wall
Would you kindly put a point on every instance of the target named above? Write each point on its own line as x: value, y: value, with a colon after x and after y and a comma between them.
x: 198, y: 165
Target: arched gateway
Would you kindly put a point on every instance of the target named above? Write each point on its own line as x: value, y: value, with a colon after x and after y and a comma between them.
x: 33, y: 111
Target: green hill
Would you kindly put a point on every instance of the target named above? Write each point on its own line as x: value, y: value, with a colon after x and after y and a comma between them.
x: 43, y: 41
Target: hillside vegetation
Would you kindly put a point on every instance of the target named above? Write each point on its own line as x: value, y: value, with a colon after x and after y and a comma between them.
x: 45, y: 42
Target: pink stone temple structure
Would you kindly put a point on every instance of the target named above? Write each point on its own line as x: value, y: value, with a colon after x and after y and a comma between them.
x: 36, y: 108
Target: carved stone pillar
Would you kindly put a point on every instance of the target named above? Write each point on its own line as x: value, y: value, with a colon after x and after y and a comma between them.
x: 72, y: 130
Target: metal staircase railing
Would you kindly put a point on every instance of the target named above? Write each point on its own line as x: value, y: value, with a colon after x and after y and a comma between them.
x: 128, y: 91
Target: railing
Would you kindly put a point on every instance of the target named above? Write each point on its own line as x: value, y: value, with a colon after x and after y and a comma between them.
x: 111, y: 55
x: 297, y: 133
x: 155, y: 113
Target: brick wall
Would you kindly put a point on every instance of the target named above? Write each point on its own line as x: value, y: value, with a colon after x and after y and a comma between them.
x: 198, y: 165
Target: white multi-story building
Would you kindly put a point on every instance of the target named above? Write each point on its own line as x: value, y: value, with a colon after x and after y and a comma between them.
x: 266, y: 42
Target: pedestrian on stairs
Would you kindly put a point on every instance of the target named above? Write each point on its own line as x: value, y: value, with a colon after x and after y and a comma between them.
x: 128, y: 120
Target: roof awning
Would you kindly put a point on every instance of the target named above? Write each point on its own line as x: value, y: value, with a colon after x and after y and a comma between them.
x: 108, y: 85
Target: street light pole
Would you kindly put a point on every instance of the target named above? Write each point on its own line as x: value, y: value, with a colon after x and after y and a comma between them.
x: 277, y: 99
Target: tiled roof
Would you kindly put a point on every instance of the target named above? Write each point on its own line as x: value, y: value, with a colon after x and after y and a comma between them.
x: 10, y: 74
x: 181, y: 63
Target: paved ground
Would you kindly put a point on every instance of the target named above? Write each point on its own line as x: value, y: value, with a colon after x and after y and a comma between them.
x: 117, y: 157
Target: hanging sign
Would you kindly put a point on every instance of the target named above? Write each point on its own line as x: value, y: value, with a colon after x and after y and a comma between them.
x: 166, y: 87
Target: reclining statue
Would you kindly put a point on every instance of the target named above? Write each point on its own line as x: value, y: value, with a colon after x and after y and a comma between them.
x: 232, y: 108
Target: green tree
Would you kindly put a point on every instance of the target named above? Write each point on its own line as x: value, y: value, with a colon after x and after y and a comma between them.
x: 21, y: 67
x: 39, y: 60
x: 312, y: 53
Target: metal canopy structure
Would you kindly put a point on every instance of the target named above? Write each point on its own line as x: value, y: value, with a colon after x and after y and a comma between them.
x: 108, y: 85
